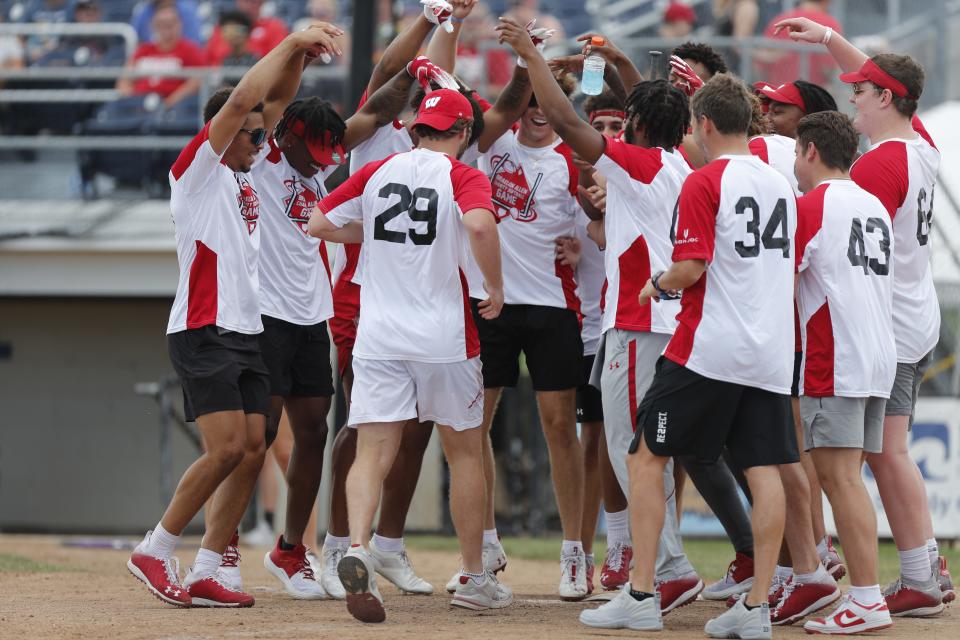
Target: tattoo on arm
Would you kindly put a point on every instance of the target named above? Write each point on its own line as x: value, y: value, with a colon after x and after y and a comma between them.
x: 390, y: 99
x: 513, y: 94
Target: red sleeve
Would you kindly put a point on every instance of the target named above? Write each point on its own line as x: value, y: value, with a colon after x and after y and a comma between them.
x: 640, y: 163
x: 809, y: 220
x: 758, y: 147
x: 883, y: 172
x: 697, y: 214
x: 471, y: 189
x: 483, y: 102
x: 352, y: 187
x: 919, y: 128
x: 189, y: 152
x: 573, y: 174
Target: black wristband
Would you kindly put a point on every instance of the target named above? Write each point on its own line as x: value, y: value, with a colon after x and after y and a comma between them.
x: 664, y: 295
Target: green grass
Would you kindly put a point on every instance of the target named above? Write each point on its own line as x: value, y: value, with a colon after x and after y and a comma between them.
x: 10, y: 563
x: 710, y: 557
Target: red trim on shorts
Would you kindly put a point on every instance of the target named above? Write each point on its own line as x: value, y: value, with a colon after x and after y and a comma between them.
x: 818, y: 372
x: 202, y: 290
x: 632, y: 382
x: 470, y: 335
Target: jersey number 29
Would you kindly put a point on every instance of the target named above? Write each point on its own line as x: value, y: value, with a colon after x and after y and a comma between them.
x: 411, y: 203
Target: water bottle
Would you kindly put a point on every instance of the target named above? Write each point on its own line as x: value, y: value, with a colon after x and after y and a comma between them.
x: 592, y: 81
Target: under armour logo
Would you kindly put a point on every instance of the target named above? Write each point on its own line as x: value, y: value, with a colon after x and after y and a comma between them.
x: 614, y: 365
x: 174, y: 592
x: 432, y: 102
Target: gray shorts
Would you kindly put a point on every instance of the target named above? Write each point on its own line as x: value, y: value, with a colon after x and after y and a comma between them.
x: 854, y: 423
x: 906, y: 387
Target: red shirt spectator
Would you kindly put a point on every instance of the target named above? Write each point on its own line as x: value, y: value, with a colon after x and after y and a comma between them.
x: 265, y: 35
x: 777, y: 66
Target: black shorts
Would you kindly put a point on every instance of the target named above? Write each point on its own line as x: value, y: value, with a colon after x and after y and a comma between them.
x: 797, y: 361
x: 220, y: 371
x: 685, y: 413
x: 549, y: 338
x: 297, y: 357
x: 589, y: 402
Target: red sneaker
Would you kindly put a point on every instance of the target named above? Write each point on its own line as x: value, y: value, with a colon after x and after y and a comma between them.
x: 676, y: 593
x: 161, y: 577
x: 800, y: 600
x: 212, y: 592
x: 616, y: 566
x: 945, y: 581
x: 293, y: 570
x: 912, y: 600
x: 738, y: 579
x: 832, y: 562
x: 591, y: 568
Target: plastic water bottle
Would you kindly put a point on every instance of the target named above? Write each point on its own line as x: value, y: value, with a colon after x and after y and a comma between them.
x: 592, y: 81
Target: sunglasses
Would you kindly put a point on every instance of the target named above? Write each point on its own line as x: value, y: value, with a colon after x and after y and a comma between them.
x: 257, y: 136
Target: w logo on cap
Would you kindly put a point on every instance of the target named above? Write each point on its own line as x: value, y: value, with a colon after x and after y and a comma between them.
x: 432, y: 102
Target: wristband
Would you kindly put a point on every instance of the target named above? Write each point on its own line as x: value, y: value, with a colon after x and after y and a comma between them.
x: 521, y: 62
x: 664, y: 295
x: 456, y: 20
x: 826, y: 36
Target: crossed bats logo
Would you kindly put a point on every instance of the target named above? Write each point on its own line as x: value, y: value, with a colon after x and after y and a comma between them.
x: 512, y: 194
x: 249, y: 203
x: 299, y: 202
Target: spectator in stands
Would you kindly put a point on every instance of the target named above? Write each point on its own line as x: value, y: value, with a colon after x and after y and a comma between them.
x: 777, y: 66
x: 169, y: 51
x: 737, y: 19
x: 187, y: 9
x: 679, y: 19
x: 82, y: 50
x: 235, y: 27
x: 40, y: 12
x: 265, y: 35
x: 11, y: 52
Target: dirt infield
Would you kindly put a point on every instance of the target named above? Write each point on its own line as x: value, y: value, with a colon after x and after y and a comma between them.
x: 47, y: 591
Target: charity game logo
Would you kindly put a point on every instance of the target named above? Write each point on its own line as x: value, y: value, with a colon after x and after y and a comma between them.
x: 299, y: 202
x: 512, y: 195
x: 249, y: 203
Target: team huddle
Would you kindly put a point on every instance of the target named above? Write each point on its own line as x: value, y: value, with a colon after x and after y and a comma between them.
x: 709, y: 278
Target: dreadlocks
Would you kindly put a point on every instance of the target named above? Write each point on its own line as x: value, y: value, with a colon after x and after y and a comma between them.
x: 661, y: 109
x: 704, y: 54
x: 815, y: 97
x: 317, y: 115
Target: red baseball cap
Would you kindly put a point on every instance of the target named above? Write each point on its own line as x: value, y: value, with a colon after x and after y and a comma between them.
x: 321, y: 148
x: 870, y: 71
x: 440, y: 109
x: 785, y: 93
x: 679, y: 12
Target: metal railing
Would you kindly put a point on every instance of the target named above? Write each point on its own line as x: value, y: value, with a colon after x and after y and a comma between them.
x: 107, y: 29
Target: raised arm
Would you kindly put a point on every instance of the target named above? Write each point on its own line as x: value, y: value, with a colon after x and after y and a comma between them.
x: 405, y: 46
x: 256, y: 82
x: 629, y: 74
x: 587, y: 142
x: 442, y: 49
x: 510, y: 105
x: 805, y: 30
x: 380, y: 109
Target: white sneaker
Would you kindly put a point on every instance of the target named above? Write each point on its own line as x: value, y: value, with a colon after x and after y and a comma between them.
x: 851, y: 617
x: 573, y: 576
x: 396, y: 568
x: 261, y: 535
x: 230, y: 566
x: 294, y: 572
x: 743, y: 623
x: 625, y: 612
x: 489, y: 594
x: 356, y: 571
x: 329, y: 579
x: 494, y: 561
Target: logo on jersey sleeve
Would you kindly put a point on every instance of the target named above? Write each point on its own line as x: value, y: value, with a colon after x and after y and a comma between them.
x: 299, y: 202
x: 249, y: 203
x: 512, y: 195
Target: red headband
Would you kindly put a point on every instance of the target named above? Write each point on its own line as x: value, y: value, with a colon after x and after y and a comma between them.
x: 872, y: 72
x: 614, y: 113
x: 321, y: 149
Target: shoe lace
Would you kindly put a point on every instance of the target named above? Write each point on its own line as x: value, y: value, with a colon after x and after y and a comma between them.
x: 568, y: 567
x: 303, y: 566
x: 333, y: 557
x: 231, y: 557
x: 615, y: 556
x: 788, y: 587
x: 172, y: 566
x: 778, y: 582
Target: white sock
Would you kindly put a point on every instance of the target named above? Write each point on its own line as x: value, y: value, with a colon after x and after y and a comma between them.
x: 933, y: 550
x: 336, y: 542
x: 783, y: 572
x: 915, y: 564
x: 822, y: 547
x: 866, y: 595
x: 478, y: 578
x: 590, y: 558
x: 162, y: 543
x: 820, y: 575
x: 490, y: 536
x: 618, y: 527
x: 390, y: 545
x: 571, y: 547
x: 206, y: 564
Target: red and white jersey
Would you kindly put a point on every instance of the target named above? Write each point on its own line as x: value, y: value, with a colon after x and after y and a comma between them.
x: 903, y: 174
x: 643, y: 185
x: 780, y: 152
x: 844, y: 247
x: 736, y: 321
x: 534, y: 197
x: 294, y: 270
x: 413, y: 258
x: 216, y: 213
x: 591, y: 274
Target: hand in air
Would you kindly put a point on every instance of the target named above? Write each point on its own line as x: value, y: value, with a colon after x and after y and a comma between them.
x: 425, y: 72
x: 320, y: 40
x: 510, y: 32
x: 438, y: 12
x: 539, y: 36
x: 801, y: 30
x: 684, y: 77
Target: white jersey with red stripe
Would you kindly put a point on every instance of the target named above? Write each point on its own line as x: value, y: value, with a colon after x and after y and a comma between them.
x: 643, y: 185
x: 736, y: 322
x: 591, y: 275
x: 844, y: 246
x: 216, y: 213
x: 780, y: 152
x: 903, y: 174
x: 534, y: 197
x: 413, y: 258
x: 294, y: 270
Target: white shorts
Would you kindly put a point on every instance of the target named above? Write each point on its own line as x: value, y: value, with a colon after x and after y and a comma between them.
x: 448, y: 393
